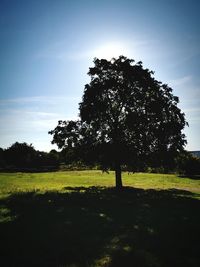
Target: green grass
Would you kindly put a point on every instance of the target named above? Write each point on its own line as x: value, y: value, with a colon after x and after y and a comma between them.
x: 77, y: 219
x: 24, y: 182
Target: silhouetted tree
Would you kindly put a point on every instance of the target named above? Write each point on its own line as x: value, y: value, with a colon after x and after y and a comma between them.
x: 126, y: 117
x: 23, y: 156
x: 48, y: 159
x: 20, y: 155
x: 2, y: 158
x: 187, y: 164
x: 68, y: 156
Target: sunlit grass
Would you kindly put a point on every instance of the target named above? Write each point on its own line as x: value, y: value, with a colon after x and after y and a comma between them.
x: 24, y: 182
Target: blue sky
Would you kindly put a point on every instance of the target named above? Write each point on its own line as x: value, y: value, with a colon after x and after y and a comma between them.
x: 47, y: 47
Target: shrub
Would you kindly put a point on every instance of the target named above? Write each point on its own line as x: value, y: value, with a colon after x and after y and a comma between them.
x: 187, y: 164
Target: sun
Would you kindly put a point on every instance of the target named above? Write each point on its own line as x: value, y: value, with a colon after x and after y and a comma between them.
x: 111, y: 50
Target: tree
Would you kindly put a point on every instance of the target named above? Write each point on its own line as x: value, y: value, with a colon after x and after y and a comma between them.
x: 187, y: 164
x: 21, y: 155
x: 127, y: 117
x: 2, y: 158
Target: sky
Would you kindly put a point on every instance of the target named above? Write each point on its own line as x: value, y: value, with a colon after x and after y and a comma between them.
x: 47, y: 47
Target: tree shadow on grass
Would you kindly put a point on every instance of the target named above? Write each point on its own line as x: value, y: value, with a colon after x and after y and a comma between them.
x: 193, y: 177
x: 101, y: 227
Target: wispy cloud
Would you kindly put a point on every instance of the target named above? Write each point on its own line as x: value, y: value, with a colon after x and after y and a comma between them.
x: 192, y: 110
x: 40, y: 99
x: 192, y: 115
x: 29, y: 119
x: 43, y: 105
x: 22, y: 121
x: 181, y: 81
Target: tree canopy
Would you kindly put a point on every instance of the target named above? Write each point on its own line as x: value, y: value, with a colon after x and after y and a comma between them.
x: 22, y: 156
x: 127, y: 117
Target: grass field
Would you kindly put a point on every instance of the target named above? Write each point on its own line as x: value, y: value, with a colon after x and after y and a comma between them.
x: 11, y: 183
x: 78, y: 219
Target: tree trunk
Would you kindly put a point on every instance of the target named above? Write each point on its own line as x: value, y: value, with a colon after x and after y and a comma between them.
x: 118, y: 176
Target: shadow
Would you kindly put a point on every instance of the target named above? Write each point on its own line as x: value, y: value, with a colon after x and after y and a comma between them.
x: 30, y: 170
x: 193, y: 177
x: 101, y: 227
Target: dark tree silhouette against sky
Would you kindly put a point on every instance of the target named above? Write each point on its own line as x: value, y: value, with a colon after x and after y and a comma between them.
x: 126, y: 117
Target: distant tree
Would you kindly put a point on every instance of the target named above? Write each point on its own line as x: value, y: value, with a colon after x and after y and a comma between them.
x: 188, y: 164
x: 21, y: 155
x: 68, y: 156
x: 2, y: 158
x: 126, y: 117
x: 24, y: 156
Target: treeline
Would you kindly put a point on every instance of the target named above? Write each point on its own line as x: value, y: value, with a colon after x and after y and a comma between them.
x: 24, y: 157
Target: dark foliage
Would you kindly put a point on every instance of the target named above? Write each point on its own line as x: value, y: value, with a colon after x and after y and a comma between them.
x: 135, y: 227
x: 23, y: 157
x: 2, y: 158
x: 195, y: 154
x: 20, y: 155
x: 187, y: 164
x: 127, y: 118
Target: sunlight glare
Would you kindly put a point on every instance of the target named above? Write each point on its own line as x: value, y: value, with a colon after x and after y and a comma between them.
x: 111, y: 50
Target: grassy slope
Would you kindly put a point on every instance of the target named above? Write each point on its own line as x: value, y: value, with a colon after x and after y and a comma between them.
x: 74, y: 224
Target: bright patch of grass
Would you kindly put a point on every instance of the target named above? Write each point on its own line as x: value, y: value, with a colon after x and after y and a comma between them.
x: 24, y: 182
